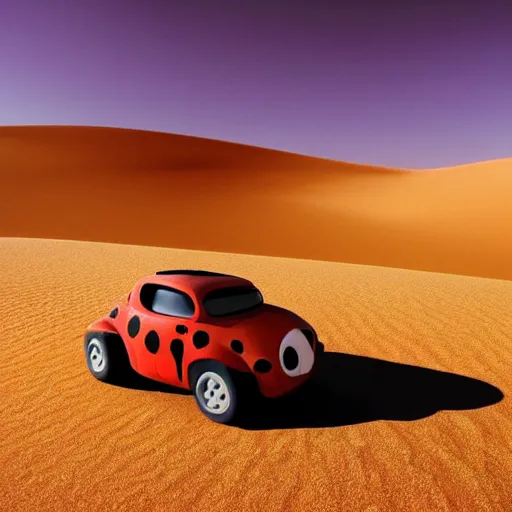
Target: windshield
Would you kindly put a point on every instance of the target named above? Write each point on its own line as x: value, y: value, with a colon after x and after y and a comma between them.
x: 229, y: 301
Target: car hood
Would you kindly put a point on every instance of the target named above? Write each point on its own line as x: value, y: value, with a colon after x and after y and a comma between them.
x: 264, y: 327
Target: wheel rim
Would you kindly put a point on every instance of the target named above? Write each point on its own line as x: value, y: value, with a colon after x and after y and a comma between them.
x: 213, y: 393
x: 96, y: 355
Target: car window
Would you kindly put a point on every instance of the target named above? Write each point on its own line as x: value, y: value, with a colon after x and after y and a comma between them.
x: 230, y: 301
x: 166, y: 301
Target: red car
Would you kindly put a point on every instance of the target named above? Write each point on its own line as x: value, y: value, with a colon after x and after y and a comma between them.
x: 207, y: 332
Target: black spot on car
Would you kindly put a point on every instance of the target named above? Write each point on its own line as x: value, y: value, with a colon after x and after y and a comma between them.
x: 177, y: 350
x: 290, y: 358
x: 237, y: 346
x: 262, y: 366
x: 181, y: 329
x: 201, y: 339
x: 114, y: 313
x: 152, y: 341
x: 134, y: 326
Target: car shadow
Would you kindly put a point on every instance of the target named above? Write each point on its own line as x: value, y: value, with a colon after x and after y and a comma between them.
x: 133, y: 380
x: 350, y: 389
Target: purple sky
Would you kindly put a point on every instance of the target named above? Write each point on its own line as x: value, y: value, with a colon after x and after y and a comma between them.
x: 398, y: 83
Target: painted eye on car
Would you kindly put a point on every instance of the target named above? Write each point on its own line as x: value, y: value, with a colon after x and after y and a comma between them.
x: 296, y: 354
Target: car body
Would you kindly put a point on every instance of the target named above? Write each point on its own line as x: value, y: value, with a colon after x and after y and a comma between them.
x: 173, y: 319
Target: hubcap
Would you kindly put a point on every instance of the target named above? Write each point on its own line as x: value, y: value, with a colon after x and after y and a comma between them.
x: 212, y: 391
x: 96, y: 355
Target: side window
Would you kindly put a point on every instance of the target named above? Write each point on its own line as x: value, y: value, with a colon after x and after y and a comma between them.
x: 166, y: 301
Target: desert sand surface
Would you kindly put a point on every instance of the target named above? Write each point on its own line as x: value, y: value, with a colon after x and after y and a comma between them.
x: 157, y: 189
x: 410, y: 412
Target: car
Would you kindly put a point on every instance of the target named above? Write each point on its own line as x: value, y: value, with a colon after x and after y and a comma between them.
x: 206, y: 332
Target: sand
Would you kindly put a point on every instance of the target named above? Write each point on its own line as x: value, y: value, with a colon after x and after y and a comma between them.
x: 408, y: 413
x: 155, y: 189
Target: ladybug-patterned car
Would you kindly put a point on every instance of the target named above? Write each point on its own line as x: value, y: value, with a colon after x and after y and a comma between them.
x: 206, y: 332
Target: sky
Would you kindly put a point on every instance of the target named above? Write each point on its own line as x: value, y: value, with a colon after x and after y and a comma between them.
x: 410, y: 84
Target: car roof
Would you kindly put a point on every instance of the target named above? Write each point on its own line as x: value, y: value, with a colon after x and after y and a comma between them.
x: 175, y: 272
x: 196, y: 282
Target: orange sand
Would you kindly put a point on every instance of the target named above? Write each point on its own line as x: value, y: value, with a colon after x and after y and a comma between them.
x: 69, y: 442
x: 145, y: 188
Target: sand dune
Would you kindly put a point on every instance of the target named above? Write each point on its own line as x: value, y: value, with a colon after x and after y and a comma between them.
x: 144, y: 188
x: 365, y: 437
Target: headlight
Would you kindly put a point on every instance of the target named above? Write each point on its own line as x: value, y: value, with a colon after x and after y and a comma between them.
x: 296, y: 354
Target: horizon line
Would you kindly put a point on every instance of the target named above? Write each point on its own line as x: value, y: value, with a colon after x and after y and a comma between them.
x: 254, y: 146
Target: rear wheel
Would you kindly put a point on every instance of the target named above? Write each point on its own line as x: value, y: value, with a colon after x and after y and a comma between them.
x: 106, y: 356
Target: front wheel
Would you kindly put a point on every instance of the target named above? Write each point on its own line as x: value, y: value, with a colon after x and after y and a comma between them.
x: 216, y: 391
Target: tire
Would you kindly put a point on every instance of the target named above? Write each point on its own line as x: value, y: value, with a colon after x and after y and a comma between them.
x: 219, y: 391
x: 106, y: 357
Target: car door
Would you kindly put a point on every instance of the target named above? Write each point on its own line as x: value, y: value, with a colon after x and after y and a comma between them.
x: 171, y: 313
